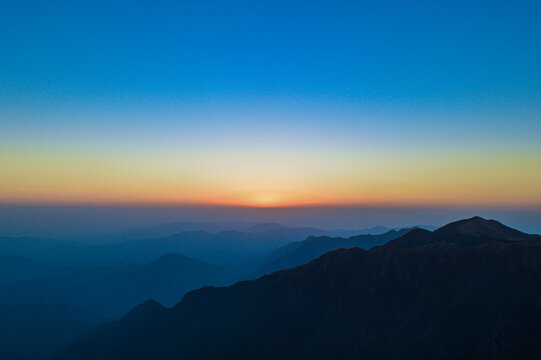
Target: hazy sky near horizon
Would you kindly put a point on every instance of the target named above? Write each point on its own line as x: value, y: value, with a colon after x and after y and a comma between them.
x: 87, y: 222
x: 408, y: 103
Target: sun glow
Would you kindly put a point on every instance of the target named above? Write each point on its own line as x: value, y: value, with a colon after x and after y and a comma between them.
x: 265, y: 200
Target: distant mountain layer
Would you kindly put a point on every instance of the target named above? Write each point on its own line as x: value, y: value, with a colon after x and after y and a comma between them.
x: 475, y: 293
x: 106, y: 293
x: 171, y: 228
x: 299, y: 253
x: 222, y: 247
x: 93, y: 295
x: 18, y: 268
x: 43, y: 315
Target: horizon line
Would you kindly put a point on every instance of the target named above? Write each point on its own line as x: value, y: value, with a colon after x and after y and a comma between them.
x: 312, y: 205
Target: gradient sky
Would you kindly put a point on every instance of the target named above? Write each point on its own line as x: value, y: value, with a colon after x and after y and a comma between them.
x: 408, y: 103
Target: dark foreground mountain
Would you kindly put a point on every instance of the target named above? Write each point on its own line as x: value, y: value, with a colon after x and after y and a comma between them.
x: 444, y: 300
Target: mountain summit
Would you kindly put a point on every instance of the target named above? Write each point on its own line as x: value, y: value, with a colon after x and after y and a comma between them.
x: 479, y: 227
x: 472, y: 231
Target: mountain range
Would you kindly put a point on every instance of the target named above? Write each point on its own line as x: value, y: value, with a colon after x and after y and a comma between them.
x: 229, y: 246
x: 19, y: 268
x: 473, y: 231
x: 78, y: 299
x: 469, y: 290
x: 301, y: 252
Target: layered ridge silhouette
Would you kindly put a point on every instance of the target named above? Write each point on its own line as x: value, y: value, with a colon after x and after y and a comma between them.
x: 469, y: 290
x: 62, y: 302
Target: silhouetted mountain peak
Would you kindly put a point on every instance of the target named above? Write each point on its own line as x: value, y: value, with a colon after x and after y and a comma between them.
x: 472, y: 231
x: 480, y: 227
x: 145, y: 311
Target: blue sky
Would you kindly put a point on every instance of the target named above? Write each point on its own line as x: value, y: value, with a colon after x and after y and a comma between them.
x: 335, y: 80
x: 425, y: 56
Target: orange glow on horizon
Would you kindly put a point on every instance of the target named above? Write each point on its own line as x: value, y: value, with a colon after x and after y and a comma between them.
x: 268, y: 204
x: 271, y: 180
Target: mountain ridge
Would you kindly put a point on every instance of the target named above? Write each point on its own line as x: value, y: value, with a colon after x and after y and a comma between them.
x: 473, y: 231
x: 387, y: 302
x: 315, y: 246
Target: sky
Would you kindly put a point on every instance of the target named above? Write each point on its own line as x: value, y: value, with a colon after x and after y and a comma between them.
x: 408, y: 104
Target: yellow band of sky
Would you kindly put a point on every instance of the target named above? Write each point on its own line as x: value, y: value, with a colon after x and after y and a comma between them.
x: 271, y: 178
